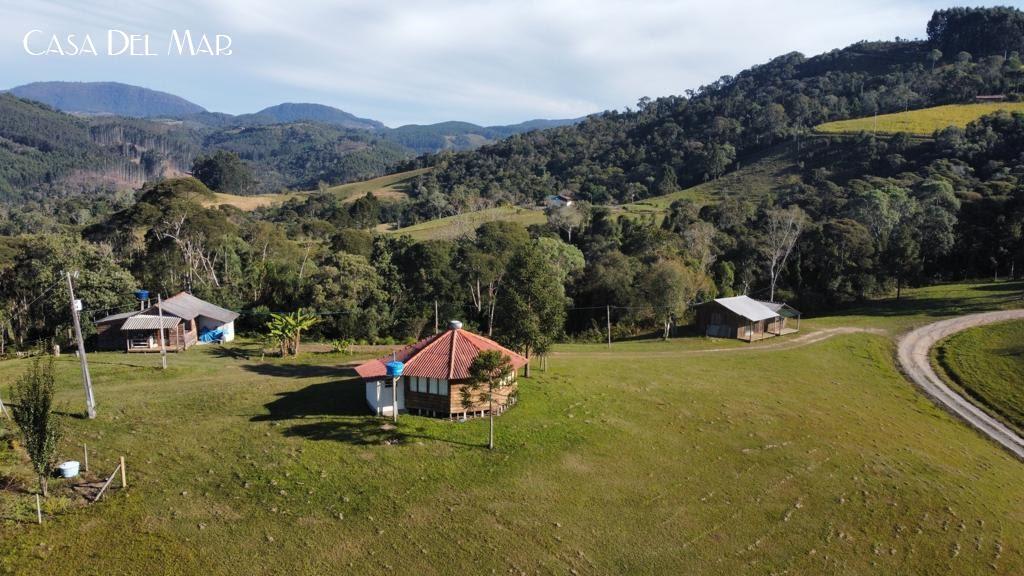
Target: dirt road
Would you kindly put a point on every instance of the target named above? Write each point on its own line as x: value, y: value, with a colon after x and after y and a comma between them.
x: 774, y: 344
x: 913, y: 357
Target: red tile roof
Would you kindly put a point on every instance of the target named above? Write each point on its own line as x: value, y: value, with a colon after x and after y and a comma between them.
x: 446, y: 355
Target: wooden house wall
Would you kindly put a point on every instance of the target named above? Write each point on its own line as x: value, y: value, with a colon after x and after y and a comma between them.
x: 479, y: 402
x: 109, y: 336
x: 424, y: 400
x: 706, y: 313
x: 452, y: 403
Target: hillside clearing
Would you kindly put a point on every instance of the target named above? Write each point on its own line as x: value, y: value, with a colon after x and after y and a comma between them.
x: 390, y: 188
x: 818, y: 459
x: 760, y: 176
x: 463, y: 224
x: 923, y: 122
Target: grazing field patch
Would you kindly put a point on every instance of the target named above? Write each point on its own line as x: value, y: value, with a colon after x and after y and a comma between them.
x: 465, y: 224
x: 923, y: 122
x: 987, y: 365
x: 390, y: 188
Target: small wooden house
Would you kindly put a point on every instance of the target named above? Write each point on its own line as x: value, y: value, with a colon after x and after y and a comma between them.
x: 186, y: 321
x: 435, y: 375
x: 744, y: 318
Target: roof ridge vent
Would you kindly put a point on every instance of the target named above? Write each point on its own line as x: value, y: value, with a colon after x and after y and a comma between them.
x: 454, y: 325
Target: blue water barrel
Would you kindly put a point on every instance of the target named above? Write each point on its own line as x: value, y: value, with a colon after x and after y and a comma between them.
x: 142, y: 294
x: 394, y: 368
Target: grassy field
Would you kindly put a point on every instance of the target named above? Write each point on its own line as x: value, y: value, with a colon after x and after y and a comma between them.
x: 922, y: 122
x: 387, y: 188
x: 987, y: 364
x: 455, y: 226
x: 819, y: 459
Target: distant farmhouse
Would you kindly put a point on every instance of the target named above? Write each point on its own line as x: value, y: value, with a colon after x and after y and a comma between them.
x: 435, y: 374
x: 559, y: 200
x: 744, y: 318
x: 186, y: 321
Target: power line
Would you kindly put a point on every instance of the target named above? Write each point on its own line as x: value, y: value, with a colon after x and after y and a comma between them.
x: 24, y: 309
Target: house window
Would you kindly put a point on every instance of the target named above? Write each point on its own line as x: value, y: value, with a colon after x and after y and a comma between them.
x: 433, y: 385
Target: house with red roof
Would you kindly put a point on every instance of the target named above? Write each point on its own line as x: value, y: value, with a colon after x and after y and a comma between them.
x: 435, y: 375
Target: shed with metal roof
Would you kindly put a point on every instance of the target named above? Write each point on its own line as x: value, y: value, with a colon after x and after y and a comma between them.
x: 745, y: 318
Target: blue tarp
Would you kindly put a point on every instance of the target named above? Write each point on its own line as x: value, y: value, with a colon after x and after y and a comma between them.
x: 212, y: 335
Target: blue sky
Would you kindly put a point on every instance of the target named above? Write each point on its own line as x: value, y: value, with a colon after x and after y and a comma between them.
x: 485, y: 61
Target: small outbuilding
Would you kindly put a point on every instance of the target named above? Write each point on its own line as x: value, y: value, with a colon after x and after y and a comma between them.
x: 186, y: 321
x: 559, y: 200
x: 434, y: 376
x: 744, y: 318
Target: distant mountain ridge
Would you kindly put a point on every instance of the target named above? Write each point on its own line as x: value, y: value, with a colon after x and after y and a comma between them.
x: 116, y: 99
x: 304, y: 112
x: 113, y: 98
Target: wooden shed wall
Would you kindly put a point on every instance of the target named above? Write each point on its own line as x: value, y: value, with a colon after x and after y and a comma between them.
x: 109, y: 336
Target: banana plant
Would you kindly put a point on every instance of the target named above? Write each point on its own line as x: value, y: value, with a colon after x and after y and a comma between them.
x: 287, y: 329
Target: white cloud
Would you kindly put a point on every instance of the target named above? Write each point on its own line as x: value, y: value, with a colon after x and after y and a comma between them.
x: 491, y: 61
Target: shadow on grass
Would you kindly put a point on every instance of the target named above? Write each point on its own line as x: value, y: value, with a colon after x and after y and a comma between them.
x: 94, y: 362
x: 66, y: 413
x: 342, y: 402
x: 335, y: 398
x: 1001, y: 286
x: 359, y: 431
x: 232, y: 352
x: 290, y: 370
x: 1008, y: 292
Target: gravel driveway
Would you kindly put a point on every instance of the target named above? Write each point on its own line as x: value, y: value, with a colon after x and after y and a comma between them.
x: 913, y: 357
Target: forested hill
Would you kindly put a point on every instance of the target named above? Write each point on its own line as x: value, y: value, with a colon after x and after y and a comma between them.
x: 123, y: 136
x: 675, y: 141
x: 46, y: 155
x: 290, y: 112
x: 453, y: 135
x: 835, y: 219
x: 107, y: 98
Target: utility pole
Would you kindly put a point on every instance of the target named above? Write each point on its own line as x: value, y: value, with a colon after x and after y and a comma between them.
x: 394, y: 390
x: 608, y: 316
x: 90, y: 402
x: 163, y: 345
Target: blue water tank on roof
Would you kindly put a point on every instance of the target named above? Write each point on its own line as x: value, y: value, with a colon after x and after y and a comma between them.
x: 142, y: 294
x: 394, y: 368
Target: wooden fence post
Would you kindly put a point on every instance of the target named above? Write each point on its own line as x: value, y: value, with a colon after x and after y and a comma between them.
x: 85, y: 451
x: 124, y: 478
x: 39, y: 511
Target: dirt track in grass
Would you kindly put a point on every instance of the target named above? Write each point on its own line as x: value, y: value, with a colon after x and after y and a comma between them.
x: 913, y: 355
